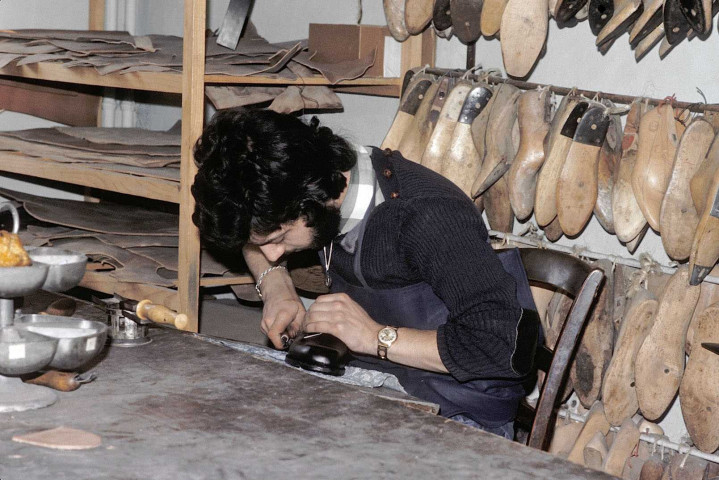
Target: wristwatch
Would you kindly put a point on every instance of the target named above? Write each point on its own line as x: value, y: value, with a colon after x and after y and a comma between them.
x: 385, y: 339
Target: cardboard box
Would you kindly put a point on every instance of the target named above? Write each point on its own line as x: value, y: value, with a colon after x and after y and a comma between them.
x: 336, y: 43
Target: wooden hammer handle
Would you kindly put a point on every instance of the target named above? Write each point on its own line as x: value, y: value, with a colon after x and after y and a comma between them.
x: 147, y: 310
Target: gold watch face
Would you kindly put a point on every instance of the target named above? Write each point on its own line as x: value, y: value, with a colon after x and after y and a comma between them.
x: 387, y: 335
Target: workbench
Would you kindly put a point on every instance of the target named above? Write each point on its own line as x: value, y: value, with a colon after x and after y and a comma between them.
x: 182, y: 407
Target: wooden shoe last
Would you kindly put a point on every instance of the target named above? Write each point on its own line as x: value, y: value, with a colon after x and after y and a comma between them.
x: 699, y: 391
x: 534, y: 110
x: 655, y: 157
x: 595, y: 349
x: 618, y: 391
x: 411, y: 145
x: 629, y: 220
x: 462, y: 161
x: 408, y: 106
x: 705, y: 246
x: 678, y: 218
x: 660, y: 360
x: 417, y: 15
x: 499, y: 150
x: 466, y: 16
x: 394, y: 14
x: 609, y: 157
x: 578, y: 180
x: 559, y: 139
x: 439, y: 141
x: 524, y: 32
x: 491, y: 18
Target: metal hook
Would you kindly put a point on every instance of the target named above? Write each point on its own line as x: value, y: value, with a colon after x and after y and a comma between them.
x: 13, y: 211
x: 703, y: 96
x: 470, y: 71
x: 686, y: 455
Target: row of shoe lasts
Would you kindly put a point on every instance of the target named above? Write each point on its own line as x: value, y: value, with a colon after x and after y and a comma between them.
x: 620, y: 452
x: 522, y: 25
x: 516, y: 154
x: 633, y: 350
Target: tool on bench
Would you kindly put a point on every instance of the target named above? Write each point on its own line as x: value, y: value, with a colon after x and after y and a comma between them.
x: 62, y: 381
x: 129, y: 320
x: 318, y: 352
x: 62, y: 307
x: 148, y: 313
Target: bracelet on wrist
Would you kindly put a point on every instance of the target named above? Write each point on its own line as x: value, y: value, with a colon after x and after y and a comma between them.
x: 262, y: 277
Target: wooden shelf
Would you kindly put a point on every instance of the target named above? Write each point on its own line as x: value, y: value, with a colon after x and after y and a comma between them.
x: 79, y: 174
x: 104, y: 282
x: 190, y: 84
x: 171, y: 82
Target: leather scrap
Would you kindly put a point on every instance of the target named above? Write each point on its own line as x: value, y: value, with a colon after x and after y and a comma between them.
x: 336, y: 72
x: 129, y: 266
x: 67, y: 155
x: 167, y: 257
x: 104, y: 217
x: 61, y: 438
x: 79, y: 35
x: 124, y: 136
x: 53, y: 136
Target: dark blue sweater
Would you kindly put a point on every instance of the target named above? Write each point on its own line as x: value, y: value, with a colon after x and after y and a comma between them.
x: 428, y: 230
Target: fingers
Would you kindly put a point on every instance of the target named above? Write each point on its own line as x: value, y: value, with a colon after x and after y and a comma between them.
x: 332, y: 297
x: 318, y: 327
x: 275, y: 327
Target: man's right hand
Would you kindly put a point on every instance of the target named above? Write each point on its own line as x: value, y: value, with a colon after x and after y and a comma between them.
x: 283, y: 312
x: 282, y: 316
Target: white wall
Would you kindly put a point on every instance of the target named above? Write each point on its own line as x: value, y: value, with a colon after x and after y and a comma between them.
x: 16, y: 14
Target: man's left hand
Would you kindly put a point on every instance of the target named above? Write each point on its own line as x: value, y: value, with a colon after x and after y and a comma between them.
x: 339, y: 315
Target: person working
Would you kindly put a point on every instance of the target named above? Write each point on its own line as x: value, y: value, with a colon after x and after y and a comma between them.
x: 416, y: 290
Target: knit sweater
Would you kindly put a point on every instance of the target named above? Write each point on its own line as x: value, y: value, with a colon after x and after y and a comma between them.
x: 428, y: 230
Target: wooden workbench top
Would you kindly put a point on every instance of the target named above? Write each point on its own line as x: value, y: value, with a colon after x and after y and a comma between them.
x: 183, y: 408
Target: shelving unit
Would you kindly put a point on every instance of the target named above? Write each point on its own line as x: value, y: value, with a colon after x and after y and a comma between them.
x: 190, y: 85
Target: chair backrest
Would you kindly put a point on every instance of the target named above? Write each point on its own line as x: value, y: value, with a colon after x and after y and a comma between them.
x: 576, y: 278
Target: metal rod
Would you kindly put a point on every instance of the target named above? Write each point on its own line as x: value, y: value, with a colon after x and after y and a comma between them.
x: 651, y: 438
x: 7, y: 312
x: 471, y: 55
x: 631, y: 262
x: 614, y: 97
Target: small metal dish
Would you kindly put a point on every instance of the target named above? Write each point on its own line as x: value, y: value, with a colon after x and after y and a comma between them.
x: 66, y: 268
x: 21, y: 281
x: 79, y: 340
x: 22, y: 351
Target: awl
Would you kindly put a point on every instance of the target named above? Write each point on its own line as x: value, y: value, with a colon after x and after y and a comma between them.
x: 148, y: 311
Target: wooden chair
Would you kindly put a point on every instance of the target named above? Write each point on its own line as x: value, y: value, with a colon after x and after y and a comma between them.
x: 576, y: 278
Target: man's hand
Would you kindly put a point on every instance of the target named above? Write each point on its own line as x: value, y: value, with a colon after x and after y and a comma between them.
x: 282, y: 315
x: 339, y: 315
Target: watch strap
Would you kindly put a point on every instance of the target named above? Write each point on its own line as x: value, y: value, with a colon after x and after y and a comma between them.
x: 383, y: 347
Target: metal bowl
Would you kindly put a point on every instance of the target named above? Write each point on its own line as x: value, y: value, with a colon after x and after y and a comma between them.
x: 22, y: 351
x: 21, y: 281
x: 79, y: 340
x: 66, y: 267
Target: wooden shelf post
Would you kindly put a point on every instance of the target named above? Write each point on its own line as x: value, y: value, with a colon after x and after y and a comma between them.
x: 193, y: 113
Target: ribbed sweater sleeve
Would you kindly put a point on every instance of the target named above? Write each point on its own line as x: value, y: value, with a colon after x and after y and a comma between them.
x: 445, y: 240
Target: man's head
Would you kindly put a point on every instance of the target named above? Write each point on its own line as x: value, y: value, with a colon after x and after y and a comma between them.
x: 262, y: 175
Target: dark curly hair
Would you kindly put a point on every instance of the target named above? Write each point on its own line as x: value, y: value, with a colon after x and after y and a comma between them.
x: 259, y: 169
